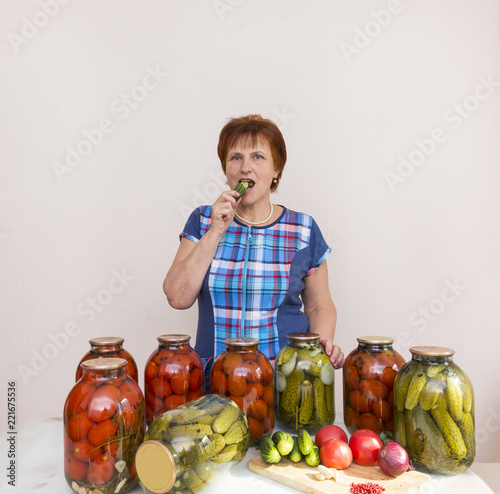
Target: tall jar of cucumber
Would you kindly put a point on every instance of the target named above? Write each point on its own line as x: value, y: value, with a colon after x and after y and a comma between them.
x: 187, y: 448
x: 434, y: 403
x: 304, y: 384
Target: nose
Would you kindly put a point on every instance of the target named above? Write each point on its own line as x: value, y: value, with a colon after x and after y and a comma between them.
x: 246, y: 165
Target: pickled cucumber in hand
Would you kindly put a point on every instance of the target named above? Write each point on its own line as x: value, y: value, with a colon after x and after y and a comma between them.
x: 241, y: 187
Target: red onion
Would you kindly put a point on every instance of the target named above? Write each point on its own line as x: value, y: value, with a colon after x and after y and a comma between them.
x: 393, y: 459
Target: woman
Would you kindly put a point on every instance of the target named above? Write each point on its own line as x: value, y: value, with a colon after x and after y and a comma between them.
x: 252, y: 264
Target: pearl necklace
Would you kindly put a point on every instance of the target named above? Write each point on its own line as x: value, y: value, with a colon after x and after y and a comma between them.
x: 256, y: 222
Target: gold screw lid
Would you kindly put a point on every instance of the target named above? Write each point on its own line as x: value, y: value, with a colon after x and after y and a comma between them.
x: 155, y: 466
x: 303, y: 336
x: 104, y: 363
x: 107, y: 340
x: 432, y: 351
x: 375, y: 340
x: 243, y: 342
x: 174, y: 338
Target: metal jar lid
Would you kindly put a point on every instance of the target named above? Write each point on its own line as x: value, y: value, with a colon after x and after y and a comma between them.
x: 303, y: 336
x: 432, y: 351
x: 107, y: 340
x: 375, y: 340
x: 241, y: 342
x: 104, y: 363
x: 155, y: 466
x: 173, y: 338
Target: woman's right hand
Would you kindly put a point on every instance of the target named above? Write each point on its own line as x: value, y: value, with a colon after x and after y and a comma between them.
x: 223, y: 212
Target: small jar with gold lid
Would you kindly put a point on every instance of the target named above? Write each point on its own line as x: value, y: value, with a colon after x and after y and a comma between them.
x: 109, y: 347
x: 187, y: 448
x: 434, y: 403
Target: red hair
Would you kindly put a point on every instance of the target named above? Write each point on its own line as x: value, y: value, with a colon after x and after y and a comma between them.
x: 253, y: 128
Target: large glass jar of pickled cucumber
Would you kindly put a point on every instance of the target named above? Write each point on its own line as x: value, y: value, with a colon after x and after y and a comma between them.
x: 188, y: 448
x: 434, y: 403
x: 109, y: 347
x: 173, y: 375
x: 245, y: 375
x: 104, y: 424
x: 369, y: 374
x: 304, y: 381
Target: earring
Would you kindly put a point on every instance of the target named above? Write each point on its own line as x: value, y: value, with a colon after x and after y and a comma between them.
x: 275, y: 180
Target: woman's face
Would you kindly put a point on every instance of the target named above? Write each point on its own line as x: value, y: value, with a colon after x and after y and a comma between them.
x: 252, y: 162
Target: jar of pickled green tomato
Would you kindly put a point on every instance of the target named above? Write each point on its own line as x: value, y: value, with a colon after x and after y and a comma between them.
x: 104, y: 424
x: 245, y: 375
x: 189, y: 447
x: 304, y: 382
x: 109, y: 347
x: 369, y: 374
x: 434, y: 403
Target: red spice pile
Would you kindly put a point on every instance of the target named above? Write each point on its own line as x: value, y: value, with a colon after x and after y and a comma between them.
x: 366, y: 488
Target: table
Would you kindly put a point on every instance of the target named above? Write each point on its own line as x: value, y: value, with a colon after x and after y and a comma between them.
x: 40, y: 469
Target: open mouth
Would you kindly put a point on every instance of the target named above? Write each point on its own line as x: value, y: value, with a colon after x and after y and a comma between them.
x: 248, y: 183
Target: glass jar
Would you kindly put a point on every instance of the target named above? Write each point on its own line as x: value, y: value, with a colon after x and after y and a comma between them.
x: 245, y: 375
x: 304, y: 384
x: 187, y: 448
x: 173, y: 375
x: 104, y: 424
x: 434, y: 403
x: 109, y: 347
x: 369, y: 374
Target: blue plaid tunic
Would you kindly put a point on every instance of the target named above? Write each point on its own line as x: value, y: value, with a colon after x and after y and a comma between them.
x: 252, y: 288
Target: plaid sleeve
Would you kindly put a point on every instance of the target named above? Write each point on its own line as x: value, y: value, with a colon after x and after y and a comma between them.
x: 319, y: 248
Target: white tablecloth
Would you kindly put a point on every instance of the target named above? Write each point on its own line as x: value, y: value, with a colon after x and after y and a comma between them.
x: 39, y: 449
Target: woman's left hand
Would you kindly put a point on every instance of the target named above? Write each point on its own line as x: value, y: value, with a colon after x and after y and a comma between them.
x: 334, y: 351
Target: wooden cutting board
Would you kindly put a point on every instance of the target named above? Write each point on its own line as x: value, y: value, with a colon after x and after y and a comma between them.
x: 300, y: 477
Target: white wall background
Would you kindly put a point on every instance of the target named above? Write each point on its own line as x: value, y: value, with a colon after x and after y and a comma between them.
x: 349, y: 114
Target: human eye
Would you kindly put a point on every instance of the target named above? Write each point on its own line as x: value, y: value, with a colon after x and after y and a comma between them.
x: 235, y: 157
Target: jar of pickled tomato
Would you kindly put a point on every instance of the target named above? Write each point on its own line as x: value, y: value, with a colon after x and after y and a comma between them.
x: 245, y: 375
x: 108, y: 347
x: 104, y: 424
x: 369, y: 374
x: 173, y: 375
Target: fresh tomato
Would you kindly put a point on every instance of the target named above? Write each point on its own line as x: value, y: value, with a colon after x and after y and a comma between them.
x: 103, y: 403
x: 329, y: 432
x: 365, y: 445
x: 335, y: 453
x: 101, y: 469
